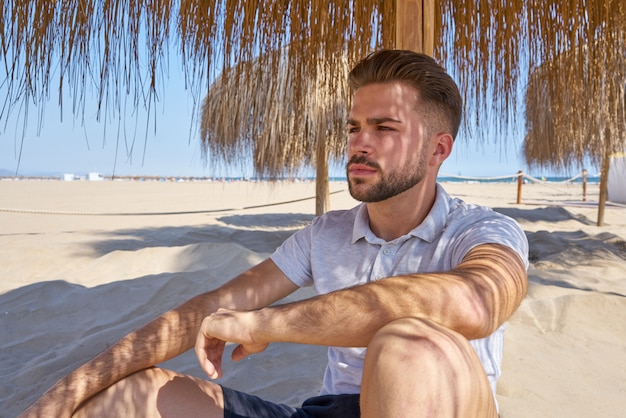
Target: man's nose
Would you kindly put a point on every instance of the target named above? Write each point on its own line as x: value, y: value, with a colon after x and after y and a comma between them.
x: 360, y: 142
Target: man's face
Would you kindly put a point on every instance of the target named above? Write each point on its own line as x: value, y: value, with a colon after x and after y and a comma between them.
x: 387, y: 149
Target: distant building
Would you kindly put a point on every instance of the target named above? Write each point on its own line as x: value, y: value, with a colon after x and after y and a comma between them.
x: 68, y: 177
x: 94, y: 177
x: 616, y: 183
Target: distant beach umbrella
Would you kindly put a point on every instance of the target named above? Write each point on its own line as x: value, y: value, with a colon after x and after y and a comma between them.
x: 576, y: 100
x: 282, y: 119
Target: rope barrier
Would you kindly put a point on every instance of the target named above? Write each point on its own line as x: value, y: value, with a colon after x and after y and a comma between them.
x: 514, y: 176
x: 189, y: 212
x: 569, y: 181
x: 478, y: 178
x: 521, y: 176
x: 536, y: 180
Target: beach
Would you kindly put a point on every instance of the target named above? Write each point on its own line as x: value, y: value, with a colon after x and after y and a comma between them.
x: 84, y: 262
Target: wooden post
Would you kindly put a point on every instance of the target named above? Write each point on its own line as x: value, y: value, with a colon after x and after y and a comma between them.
x: 322, y: 192
x: 428, y: 30
x: 584, y: 185
x: 415, y: 25
x: 520, y: 180
x: 604, y: 179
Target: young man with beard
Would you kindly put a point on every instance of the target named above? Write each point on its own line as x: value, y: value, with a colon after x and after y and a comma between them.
x: 414, y: 286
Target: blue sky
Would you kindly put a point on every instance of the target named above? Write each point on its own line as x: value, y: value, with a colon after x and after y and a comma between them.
x: 173, y: 148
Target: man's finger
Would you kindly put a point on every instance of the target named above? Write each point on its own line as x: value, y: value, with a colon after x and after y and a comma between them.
x: 213, y: 370
x: 241, y: 351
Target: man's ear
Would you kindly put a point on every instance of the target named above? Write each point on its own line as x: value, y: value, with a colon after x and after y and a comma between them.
x: 443, y: 148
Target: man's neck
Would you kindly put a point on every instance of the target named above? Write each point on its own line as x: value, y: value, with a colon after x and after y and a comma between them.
x: 400, y: 214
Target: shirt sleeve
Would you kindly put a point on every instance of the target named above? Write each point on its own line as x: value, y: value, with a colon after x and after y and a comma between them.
x: 293, y: 257
x: 489, y: 227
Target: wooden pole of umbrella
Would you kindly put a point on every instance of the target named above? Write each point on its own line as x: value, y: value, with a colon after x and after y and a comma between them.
x: 604, y: 177
x: 415, y: 25
x: 322, y: 188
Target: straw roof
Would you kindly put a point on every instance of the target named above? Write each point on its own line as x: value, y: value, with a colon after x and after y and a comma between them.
x: 120, y: 49
x: 575, y: 101
x: 277, y: 115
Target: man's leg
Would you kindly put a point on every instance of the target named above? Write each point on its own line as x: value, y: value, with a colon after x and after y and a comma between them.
x: 156, y: 393
x: 417, y: 368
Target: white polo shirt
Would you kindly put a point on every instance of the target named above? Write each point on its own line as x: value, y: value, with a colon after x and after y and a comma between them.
x: 339, y: 250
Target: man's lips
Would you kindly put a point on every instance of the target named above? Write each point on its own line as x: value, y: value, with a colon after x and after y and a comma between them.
x: 361, y: 169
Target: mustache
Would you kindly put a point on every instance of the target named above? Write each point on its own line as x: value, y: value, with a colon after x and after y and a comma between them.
x: 362, y: 159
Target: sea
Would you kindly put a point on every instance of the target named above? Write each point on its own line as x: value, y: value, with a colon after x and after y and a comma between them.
x: 448, y: 178
x: 442, y: 178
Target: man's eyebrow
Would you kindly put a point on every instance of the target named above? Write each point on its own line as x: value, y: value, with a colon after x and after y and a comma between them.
x: 374, y: 121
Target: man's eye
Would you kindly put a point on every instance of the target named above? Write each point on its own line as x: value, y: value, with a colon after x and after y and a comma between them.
x: 352, y: 129
x: 384, y: 128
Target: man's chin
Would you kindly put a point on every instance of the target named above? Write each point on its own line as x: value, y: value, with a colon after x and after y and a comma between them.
x: 356, y: 190
x: 360, y: 192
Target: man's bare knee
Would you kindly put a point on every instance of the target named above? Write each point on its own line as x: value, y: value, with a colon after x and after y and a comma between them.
x: 158, y: 393
x: 413, y: 339
x: 407, y: 353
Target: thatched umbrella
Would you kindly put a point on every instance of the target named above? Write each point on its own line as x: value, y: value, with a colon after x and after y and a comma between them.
x: 575, y: 101
x: 119, y: 48
x: 282, y: 131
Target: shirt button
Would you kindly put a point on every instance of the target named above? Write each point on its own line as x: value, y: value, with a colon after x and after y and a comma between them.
x: 386, y: 251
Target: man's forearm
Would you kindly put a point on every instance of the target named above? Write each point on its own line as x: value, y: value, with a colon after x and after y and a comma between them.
x: 166, y: 337
x: 169, y: 335
x: 474, y: 300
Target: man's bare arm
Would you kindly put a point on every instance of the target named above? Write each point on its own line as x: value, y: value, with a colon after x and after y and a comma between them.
x: 473, y: 299
x: 171, y: 334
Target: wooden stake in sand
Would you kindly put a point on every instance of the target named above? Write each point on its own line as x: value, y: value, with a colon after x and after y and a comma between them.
x: 520, y: 180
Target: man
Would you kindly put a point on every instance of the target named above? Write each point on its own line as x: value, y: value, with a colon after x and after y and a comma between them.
x: 414, y: 286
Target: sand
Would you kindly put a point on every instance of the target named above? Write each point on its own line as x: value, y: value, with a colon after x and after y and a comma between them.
x: 82, y: 263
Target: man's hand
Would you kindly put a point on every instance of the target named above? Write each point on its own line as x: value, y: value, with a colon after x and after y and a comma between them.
x: 219, y: 328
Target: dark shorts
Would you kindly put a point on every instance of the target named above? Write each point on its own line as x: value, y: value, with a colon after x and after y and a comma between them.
x: 241, y: 405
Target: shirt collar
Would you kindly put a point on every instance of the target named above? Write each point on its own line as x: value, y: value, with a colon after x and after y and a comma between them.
x: 428, y: 230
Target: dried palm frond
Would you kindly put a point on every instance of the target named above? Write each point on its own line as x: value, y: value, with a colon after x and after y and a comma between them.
x: 575, y: 101
x: 279, y: 115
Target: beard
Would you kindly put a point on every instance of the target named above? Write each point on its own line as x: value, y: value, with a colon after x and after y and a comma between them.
x: 391, y: 183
